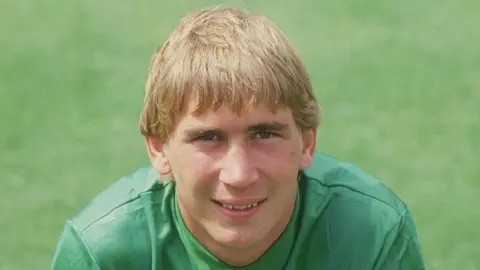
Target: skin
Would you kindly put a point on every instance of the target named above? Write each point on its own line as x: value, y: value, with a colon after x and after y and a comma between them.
x: 222, y: 156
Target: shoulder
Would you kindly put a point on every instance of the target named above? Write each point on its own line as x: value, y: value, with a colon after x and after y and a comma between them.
x: 349, y: 202
x: 119, y: 224
x: 342, y: 182
x: 347, y: 213
x: 123, y: 193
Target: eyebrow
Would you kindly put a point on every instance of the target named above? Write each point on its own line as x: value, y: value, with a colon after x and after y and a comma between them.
x: 262, y: 126
x: 198, y: 132
x: 269, y: 126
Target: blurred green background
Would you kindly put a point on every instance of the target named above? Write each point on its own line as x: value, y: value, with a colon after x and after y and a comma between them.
x: 399, y: 82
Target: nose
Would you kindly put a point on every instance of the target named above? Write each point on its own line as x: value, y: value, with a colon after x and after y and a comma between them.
x: 238, y: 170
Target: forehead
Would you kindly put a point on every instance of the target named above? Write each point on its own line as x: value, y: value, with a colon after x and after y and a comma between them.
x: 226, y: 117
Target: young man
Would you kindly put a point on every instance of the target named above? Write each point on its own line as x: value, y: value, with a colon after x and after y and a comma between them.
x: 230, y: 123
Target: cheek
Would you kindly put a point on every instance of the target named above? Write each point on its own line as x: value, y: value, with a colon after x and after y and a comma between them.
x: 280, y: 150
x: 282, y: 159
x: 191, y: 170
x: 193, y: 186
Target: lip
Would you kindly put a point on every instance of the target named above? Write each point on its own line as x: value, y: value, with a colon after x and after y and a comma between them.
x: 239, y: 202
x: 239, y: 214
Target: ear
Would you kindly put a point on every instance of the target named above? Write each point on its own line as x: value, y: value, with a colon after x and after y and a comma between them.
x: 156, y: 153
x: 309, y: 139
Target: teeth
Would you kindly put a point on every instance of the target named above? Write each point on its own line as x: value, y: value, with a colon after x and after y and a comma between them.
x: 239, y: 207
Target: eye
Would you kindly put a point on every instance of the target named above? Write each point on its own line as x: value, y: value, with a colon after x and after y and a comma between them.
x: 208, y: 136
x: 264, y: 135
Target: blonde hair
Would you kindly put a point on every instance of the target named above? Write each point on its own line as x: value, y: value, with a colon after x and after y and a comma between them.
x: 225, y: 56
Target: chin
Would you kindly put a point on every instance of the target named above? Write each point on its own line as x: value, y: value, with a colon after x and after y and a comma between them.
x: 241, y: 238
x: 238, y: 243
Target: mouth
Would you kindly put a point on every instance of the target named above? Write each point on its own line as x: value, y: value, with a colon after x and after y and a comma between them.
x: 239, y: 207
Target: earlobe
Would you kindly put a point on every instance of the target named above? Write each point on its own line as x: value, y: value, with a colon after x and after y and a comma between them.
x: 308, y: 151
x: 156, y: 153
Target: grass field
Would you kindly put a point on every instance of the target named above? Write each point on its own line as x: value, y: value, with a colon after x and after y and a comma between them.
x: 399, y: 82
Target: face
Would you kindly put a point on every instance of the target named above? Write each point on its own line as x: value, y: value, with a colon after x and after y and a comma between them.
x: 235, y: 175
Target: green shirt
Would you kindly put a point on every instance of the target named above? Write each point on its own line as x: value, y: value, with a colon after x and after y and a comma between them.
x: 343, y: 219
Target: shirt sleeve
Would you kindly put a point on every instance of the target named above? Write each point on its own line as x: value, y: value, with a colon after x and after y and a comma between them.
x: 72, y: 252
x: 401, y: 249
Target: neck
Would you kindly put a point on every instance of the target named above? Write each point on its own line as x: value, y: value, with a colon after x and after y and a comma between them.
x: 236, y: 257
